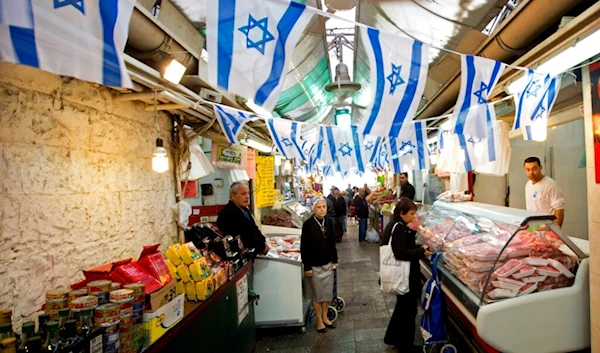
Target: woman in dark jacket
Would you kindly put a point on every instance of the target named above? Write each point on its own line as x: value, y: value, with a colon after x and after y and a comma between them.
x: 401, y: 329
x: 319, y: 256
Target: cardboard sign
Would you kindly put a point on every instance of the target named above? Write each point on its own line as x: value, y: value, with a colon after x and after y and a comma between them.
x: 251, y: 163
x: 229, y: 157
x: 265, y: 181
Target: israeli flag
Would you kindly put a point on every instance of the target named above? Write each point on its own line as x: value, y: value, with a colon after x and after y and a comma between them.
x: 76, y: 38
x: 370, y: 146
x: 409, y: 151
x: 343, y: 145
x: 286, y: 137
x: 478, y: 78
x: 250, y: 44
x: 232, y: 121
x: 534, y: 103
x: 398, y: 75
x: 477, y: 151
x: 383, y: 159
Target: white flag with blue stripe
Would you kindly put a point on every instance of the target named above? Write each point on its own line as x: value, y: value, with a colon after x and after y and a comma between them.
x: 398, y: 75
x: 343, y: 147
x: 534, y: 103
x: 286, y: 137
x: 478, y: 78
x: 250, y: 44
x: 383, y: 158
x: 232, y: 121
x: 371, y: 145
x: 82, y: 39
x: 409, y: 151
x: 479, y: 151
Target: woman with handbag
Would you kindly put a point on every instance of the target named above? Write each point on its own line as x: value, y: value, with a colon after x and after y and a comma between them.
x: 319, y: 256
x: 401, y: 329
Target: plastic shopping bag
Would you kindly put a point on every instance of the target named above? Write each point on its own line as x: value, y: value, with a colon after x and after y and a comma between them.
x: 434, y: 319
x: 392, y: 272
x: 372, y: 236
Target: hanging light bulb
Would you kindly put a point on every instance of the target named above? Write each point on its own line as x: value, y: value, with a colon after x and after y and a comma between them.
x: 160, y: 161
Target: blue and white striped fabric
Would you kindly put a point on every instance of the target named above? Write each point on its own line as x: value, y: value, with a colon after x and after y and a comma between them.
x: 478, y: 78
x: 82, y: 39
x: 398, y: 75
x: 250, y: 44
x: 534, y: 104
x: 480, y: 151
x: 383, y: 158
x: 341, y: 146
x: 232, y: 121
x: 370, y: 146
x: 286, y: 137
x: 409, y: 151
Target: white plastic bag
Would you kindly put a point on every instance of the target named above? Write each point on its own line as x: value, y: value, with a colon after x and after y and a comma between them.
x: 372, y: 236
x: 393, y: 273
x: 182, y: 212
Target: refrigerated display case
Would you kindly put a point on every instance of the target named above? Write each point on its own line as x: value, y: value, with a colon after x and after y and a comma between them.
x: 299, y: 212
x: 512, y: 274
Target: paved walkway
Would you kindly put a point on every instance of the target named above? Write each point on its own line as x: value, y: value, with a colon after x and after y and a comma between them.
x: 361, y: 327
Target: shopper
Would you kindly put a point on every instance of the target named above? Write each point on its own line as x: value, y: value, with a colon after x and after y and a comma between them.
x: 350, y: 191
x: 407, y: 190
x: 347, y: 201
x: 362, y: 215
x: 542, y: 193
x: 401, y: 329
x: 339, y: 209
x: 319, y: 256
x: 236, y: 219
x: 367, y: 190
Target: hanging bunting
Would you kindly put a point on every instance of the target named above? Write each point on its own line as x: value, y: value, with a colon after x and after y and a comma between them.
x: 286, y: 137
x: 534, y: 104
x: 398, y: 73
x: 478, y: 78
x: 370, y: 146
x: 251, y: 45
x: 409, y: 151
x: 232, y: 121
x: 343, y: 144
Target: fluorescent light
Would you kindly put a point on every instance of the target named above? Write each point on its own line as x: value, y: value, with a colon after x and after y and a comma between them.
x: 563, y: 61
x: 174, y: 72
x: 343, y: 117
x: 160, y: 161
x: 256, y: 145
x: 258, y: 109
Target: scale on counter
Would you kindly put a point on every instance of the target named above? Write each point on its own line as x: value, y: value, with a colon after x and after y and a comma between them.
x: 299, y: 213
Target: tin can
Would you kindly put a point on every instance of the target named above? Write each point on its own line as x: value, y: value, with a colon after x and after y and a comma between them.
x: 115, y: 286
x: 77, y: 293
x: 111, y: 346
x: 125, y: 344
x: 113, y: 351
x: 100, y: 286
x: 107, y: 321
x: 125, y: 350
x: 138, y: 320
x: 126, y: 321
x: 110, y: 329
x: 107, y: 310
x: 126, y: 312
x: 126, y: 337
x: 137, y: 288
x: 110, y: 337
x: 56, y: 305
x: 85, y: 302
x: 139, y: 299
x: 138, y: 313
x: 126, y: 305
x: 126, y: 329
x: 58, y: 294
x: 102, y: 297
x: 121, y: 295
x: 138, y: 306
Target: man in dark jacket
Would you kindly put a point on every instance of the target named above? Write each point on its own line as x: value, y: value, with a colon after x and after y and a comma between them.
x: 236, y: 219
x: 362, y: 214
x: 407, y: 190
x: 339, y: 207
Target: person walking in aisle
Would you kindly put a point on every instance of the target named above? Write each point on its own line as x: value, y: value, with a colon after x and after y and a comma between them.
x: 347, y: 201
x: 407, y: 190
x: 350, y: 192
x: 362, y: 214
x: 339, y: 209
x: 401, y: 329
x: 319, y: 256
x: 367, y: 190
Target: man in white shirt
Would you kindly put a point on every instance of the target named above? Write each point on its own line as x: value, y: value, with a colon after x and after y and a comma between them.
x: 542, y: 193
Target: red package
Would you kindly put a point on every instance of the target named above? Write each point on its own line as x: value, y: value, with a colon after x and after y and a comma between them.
x: 152, y: 262
x: 129, y: 273
x: 99, y: 273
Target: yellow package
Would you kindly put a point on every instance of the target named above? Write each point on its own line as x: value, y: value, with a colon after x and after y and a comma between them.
x: 172, y: 255
x: 188, y: 253
x: 221, y: 278
x: 205, y: 269
x: 210, y: 285
x: 172, y: 269
x: 201, y: 292
x: 196, y: 271
x: 184, y: 273
x: 180, y: 287
x: 190, y: 291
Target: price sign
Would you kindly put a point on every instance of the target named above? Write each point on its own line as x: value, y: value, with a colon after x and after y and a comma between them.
x: 265, y: 181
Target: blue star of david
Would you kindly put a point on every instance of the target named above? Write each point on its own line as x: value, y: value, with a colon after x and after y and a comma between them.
x: 472, y: 140
x: 78, y: 4
x: 539, y: 114
x: 480, y: 94
x: 533, y: 89
x: 407, y: 144
x: 369, y: 146
x: 394, y: 78
x: 261, y: 24
x: 345, y: 149
x: 286, y: 141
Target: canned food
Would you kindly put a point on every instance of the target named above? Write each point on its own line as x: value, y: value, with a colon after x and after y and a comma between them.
x: 127, y: 312
x: 138, y: 306
x: 113, y: 351
x: 125, y: 321
x: 137, y: 343
x: 125, y: 344
x: 137, y: 288
x: 139, y: 299
x: 58, y: 294
x: 110, y: 337
x: 77, y: 293
x: 111, y: 346
x: 57, y: 305
x: 106, y: 310
x: 126, y: 337
x: 107, y: 321
x: 126, y: 329
x: 109, y: 329
x: 86, y: 302
x: 138, y: 320
x: 115, y: 286
x: 138, y: 313
x: 100, y: 286
x: 126, y: 350
x: 121, y: 295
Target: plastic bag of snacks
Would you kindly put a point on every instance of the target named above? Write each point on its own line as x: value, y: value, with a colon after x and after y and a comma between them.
x: 152, y: 261
x: 129, y: 273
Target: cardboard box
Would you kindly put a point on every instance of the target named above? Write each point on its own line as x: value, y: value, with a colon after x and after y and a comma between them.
x: 162, y: 320
x: 160, y: 298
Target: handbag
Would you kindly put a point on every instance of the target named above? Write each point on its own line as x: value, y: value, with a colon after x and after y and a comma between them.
x: 434, y: 317
x: 352, y: 211
x: 393, y: 273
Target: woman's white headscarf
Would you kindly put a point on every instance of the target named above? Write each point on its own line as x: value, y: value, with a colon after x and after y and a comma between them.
x: 319, y: 199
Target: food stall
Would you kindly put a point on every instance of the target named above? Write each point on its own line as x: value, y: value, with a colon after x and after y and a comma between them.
x: 381, y: 208
x: 511, y: 277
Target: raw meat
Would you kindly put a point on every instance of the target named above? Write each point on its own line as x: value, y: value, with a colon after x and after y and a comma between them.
x: 528, y: 288
x: 535, y: 261
x: 548, y: 271
x: 500, y: 293
x: 524, y: 271
x: 560, y: 267
x: 511, y: 281
x: 479, y: 266
x: 513, y: 251
x: 506, y: 285
x: 510, y: 267
x: 534, y: 279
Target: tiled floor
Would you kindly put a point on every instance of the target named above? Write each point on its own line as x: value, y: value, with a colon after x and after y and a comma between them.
x: 361, y: 327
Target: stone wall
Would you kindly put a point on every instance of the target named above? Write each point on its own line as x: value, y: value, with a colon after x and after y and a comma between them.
x: 76, y: 184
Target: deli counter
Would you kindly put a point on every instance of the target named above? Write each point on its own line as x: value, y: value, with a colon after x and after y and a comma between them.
x: 512, y: 275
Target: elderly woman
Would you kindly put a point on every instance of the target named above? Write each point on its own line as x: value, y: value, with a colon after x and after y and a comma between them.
x: 319, y: 256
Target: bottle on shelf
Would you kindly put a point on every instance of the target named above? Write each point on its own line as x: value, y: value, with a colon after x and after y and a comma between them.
x: 71, y: 343
x: 6, y: 331
x: 63, y: 316
x: 6, y: 316
x: 52, y: 342
x: 42, y: 320
x: 8, y: 345
x: 27, y: 331
x: 92, y: 335
x: 34, y: 344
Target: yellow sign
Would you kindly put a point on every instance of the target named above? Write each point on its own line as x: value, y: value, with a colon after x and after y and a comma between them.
x: 265, y: 181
